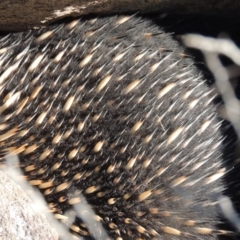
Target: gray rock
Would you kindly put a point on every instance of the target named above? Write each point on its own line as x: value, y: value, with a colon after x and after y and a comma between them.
x: 19, y: 218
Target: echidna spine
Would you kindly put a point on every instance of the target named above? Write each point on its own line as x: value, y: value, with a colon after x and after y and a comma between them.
x: 113, y: 109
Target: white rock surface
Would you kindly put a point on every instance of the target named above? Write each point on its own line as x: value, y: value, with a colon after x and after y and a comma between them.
x: 19, y: 218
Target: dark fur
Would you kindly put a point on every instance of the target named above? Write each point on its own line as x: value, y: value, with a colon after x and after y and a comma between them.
x: 115, y: 123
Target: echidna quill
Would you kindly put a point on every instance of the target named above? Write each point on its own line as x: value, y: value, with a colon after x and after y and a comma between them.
x: 113, y: 109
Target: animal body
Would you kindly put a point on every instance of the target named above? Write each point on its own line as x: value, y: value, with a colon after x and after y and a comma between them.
x: 113, y: 108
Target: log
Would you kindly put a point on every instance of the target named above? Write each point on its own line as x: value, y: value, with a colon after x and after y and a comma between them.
x: 16, y: 15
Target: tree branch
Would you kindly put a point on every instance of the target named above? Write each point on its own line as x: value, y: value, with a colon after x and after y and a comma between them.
x: 18, y: 15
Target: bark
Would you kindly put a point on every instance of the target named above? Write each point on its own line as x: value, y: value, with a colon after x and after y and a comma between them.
x: 18, y: 15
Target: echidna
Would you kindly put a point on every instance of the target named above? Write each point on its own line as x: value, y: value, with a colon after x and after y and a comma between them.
x: 113, y: 108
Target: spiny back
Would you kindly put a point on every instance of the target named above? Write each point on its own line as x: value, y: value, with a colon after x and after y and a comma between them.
x: 114, y: 109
